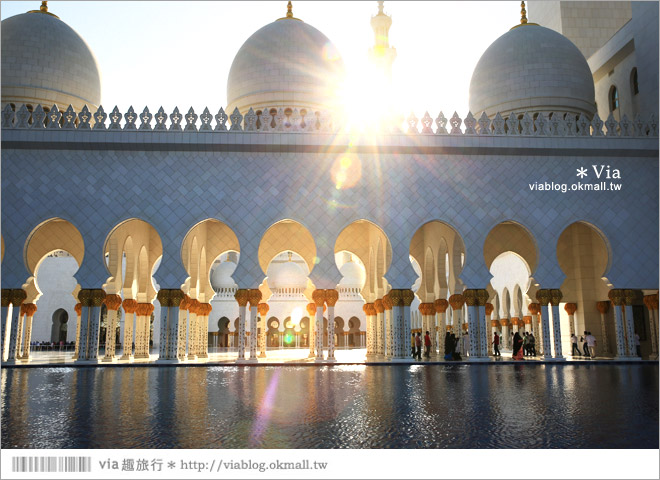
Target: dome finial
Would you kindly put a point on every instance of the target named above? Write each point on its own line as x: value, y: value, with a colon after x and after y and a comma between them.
x: 289, y: 10
x: 380, y: 7
x: 44, y: 7
x: 523, y: 13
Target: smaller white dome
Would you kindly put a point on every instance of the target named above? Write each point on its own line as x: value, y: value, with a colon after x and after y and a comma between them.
x: 353, y: 275
x: 221, y: 275
x: 287, y: 275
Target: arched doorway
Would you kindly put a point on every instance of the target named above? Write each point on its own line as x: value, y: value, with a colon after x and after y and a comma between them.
x: 59, y: 327
x: 354, y: 335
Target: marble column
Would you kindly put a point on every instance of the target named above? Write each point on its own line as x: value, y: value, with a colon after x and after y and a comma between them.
x: 129, y: 306
x: 504, y: 339
x: 603, y: 307
x: 651, y: 302
x: 242, y: 297
x: 311, y: 311
x: 407, y: 297
x: 370, y: 311
x: 254, y: 297
x: 457, y: 301
x: 380, y: 328
x: 629, y: 298
x: 515, y: 325
x: 263, y: 308
x: 331, y: 297
x: 30, y: 310
x: 6, y: 320
x: 16, y: 298
x: 488, y: 311
x: 171, y: 303
x: 482, y: 300
x: 534, y: 309
x: 184, y: 328
x: 441, y: 306
x: 78, y: 309
x: 389, y: 331
x: 571, y: 309
x: 543, y: 296
x: 400, y: 341
x: 426, y: 310
x: 143, y: 324
x: 203, y: 312
x: 113, y: 304
x: 318, y: 296
x: 555, y: 299
x: 90, y: 326
x: 616, y: 296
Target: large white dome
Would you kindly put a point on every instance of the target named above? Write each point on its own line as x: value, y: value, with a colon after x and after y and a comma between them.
x: 221, y: 275
x: 44, y: 61
x: 286, y: 275
x: 287, y: 63
x: 353, y: 275
x: 532, y: 69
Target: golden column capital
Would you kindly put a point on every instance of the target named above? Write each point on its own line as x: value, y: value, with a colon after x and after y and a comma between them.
x: 534, y: 308
x: 144, y: 309
x: 18, y: 296
x: 396, y: 297
x: 129, y: 305
x: 263, y: 308
x: 407, y: 296
x: 29, y: 309
x: 91, y: 297
x: 254, y: 297
x: 629, y: 296
x: 514, y: 321
x: 387, y: 302
x: 616, y: 296
x: 570, y: 308
x: 495, y: 323
x: 331, y: 297
x: 204, y: 309
x: 527, y: 319
x: 78, y: 309
x: 176, y: 297
x: 112, y: 301
x: 369, y: 309
x: 6, y: 297
x: 555, y: 296
x: 193, y: 306
x: 318, y: 296
x: 457, y: 301
x: 543, y: 296
x: 603, y: 307
x: 163, y: 297
x: 441, y: 305
x: 470, y: 296
x: 504, y: 322
x: 380, y: 308
x: 482, y: 297
x: 489, y: 308
x: 242, y: 296
x: 311, y: 309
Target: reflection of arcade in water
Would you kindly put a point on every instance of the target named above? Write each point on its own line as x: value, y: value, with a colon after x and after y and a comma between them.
x: 292, y: 335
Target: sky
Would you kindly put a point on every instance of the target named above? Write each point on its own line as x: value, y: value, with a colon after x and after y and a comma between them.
x: 176, y: 53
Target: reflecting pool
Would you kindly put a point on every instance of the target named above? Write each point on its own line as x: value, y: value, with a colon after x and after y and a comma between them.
x: 405, y: 406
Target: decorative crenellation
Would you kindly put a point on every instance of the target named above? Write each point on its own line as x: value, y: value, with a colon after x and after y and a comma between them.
x: 278, y: 120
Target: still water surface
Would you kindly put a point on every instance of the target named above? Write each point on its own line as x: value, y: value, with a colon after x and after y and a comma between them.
x: 432, y: 406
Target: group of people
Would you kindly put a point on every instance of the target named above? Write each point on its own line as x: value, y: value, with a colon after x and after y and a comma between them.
x: 588, y: 342
x: 452, y: 346
x: 522, y: 345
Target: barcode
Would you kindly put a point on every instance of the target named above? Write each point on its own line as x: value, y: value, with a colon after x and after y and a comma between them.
x: 51, y: 464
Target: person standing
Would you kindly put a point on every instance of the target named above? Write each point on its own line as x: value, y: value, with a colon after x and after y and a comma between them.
x: 418, y: 346
x: 517, y: 347
x: 427, y: 345
x: 591, y: 343
x: 585, y: 346
x: 496, y: 345
x: 525, y: 344
x: 574, y: 345
x: 532, y: 344
x: 412, y: 345
x: 638, y: 346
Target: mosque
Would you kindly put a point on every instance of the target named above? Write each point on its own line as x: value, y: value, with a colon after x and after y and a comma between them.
x: 153, y: 236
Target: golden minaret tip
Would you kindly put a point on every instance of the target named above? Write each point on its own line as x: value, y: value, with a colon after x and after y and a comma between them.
x: 523, y: 13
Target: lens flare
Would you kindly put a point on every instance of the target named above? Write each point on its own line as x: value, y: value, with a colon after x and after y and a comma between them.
x: 264, y: 411
x: 296, y: 315
x: 346, y: 171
